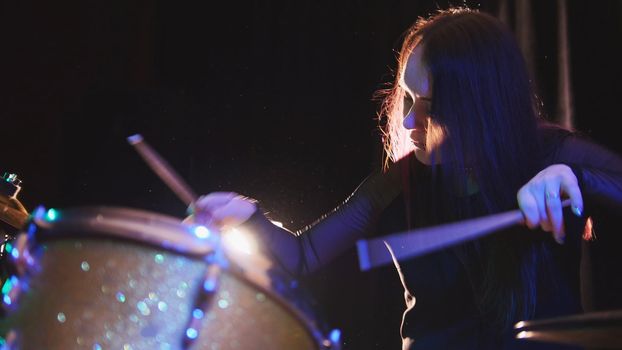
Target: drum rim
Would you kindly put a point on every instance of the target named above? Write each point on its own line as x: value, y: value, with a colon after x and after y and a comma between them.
x: 122, y: 223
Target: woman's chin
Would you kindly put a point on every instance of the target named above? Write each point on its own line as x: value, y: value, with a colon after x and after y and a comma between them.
x: 422, y: 155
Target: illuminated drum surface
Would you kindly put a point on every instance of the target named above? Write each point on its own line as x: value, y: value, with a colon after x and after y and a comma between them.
x: 114, y: 278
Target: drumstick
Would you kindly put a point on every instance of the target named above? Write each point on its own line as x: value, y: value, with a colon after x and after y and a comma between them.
x: 163, y: 169
x: 374, y: 252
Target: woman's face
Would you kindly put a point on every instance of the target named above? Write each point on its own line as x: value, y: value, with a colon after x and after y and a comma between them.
x: 426, y: 135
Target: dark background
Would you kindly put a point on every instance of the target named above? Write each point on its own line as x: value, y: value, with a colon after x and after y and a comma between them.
x: 271, y: 99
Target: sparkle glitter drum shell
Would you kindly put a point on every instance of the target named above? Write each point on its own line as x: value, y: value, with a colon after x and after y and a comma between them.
x: 120, y: 278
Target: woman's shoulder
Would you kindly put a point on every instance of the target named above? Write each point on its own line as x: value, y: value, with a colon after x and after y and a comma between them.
x: 551, y: 133
x: 562, y: 145
x: 555, y: 139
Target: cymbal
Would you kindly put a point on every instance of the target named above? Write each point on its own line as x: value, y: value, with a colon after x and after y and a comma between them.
x: 601, y: 329
x: 12, y: 212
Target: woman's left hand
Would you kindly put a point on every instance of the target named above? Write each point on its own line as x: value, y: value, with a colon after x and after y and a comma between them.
x: 221, y: 209
x: 540, y: 199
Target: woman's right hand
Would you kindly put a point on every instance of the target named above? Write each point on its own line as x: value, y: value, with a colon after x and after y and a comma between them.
x: 540, y: 199
x: 221, y: 209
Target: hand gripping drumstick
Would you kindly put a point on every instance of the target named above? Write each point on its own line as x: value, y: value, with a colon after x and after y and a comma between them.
x: 409, y: 244
x: 163, y: 169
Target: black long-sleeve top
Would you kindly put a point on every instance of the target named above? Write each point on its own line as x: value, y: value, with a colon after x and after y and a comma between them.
x: 443, y: 304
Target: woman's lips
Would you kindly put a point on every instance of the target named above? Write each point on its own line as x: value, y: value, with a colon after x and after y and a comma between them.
x: 418, y: 138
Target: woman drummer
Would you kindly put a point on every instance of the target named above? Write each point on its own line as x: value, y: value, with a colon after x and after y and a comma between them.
x: 464, y: 138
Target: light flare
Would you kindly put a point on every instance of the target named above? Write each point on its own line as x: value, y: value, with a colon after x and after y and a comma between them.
x: 240, y: 241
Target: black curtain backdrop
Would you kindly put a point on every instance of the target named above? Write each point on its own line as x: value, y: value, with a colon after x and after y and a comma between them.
x: 271, y: 99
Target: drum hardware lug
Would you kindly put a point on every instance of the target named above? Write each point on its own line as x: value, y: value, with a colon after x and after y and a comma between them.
x: 39, y: 218
x: 21, y: 258
x: 22, y: 264
x: 12, y: 288
x: 11, y: 341
x: 334, y: 341
x: 208, y: 289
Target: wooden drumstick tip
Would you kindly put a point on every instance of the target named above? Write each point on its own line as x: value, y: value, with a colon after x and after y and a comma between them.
x: 135, y: 139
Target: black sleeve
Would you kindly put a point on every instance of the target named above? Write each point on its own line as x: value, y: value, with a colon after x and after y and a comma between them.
x: 306, y: 250
x: 598, y: 170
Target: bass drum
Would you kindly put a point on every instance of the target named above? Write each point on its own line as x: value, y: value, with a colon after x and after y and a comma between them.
x: 120, y: 278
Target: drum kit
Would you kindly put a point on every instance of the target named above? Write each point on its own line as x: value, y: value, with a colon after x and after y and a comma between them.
x: 122, y: 278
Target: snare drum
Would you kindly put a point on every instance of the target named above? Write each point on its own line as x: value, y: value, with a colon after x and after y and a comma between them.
x: 119, y: 278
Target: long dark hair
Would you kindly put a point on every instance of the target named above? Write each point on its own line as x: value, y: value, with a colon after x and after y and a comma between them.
x: 483, y: 99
